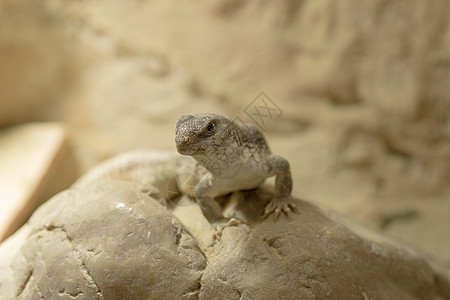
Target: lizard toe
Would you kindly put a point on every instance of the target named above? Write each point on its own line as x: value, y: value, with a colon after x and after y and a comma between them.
x: 269, y: 209
x: 278, y: 206
x: 286, y: 210
x: 293, y: 208
x: 234, y: 222
x: 221, y: 225
x: 277, y: 212
x: 217, y: 235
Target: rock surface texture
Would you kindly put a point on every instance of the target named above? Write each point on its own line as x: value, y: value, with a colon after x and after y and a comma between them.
x: 114, y: 240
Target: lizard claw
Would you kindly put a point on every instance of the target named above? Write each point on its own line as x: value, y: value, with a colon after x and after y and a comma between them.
x: 294, y: 208
x: 225, y: 223
x: 278, y: 206
x: 277, y: 212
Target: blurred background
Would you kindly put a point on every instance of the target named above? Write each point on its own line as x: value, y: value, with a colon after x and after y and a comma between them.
x: 355, y: 94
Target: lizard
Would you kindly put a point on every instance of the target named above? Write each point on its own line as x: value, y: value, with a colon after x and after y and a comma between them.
x: 218, y: 156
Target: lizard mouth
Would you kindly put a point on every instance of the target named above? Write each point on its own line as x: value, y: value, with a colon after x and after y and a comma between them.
x: 185, y: 150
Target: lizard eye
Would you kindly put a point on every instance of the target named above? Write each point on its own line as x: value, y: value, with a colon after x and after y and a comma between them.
x: 210, y: 128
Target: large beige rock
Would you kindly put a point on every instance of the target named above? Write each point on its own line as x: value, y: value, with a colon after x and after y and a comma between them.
x: 112, y: 242
x: 115, y: 241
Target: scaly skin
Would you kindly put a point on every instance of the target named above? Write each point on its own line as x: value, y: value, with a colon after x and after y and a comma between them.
x: 220, y: 156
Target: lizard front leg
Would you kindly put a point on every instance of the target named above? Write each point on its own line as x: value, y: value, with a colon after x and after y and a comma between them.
x: 205, y: 193
x: 278, y: 166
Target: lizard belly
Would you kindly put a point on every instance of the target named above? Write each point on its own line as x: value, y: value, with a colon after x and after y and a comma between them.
x: 248, y: 175
x: 239, y: 182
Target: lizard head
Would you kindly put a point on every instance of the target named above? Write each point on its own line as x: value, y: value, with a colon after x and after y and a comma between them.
x: 202, y: 134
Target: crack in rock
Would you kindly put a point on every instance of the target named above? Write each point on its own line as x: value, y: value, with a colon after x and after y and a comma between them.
x: 84, y: 269
x: 23, y: 286
x: 77, y: 256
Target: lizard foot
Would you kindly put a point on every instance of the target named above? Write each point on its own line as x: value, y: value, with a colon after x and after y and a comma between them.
x: 225, y: 223
x: 278, y: 205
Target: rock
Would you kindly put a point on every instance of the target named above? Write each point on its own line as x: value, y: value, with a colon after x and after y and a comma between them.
x: 37, y: 163
x: 114, y: 241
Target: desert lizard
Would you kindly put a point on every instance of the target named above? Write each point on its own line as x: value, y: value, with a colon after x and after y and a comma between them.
x: 219, y: 156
